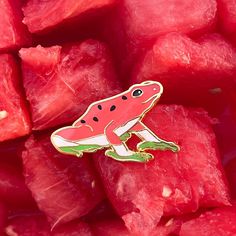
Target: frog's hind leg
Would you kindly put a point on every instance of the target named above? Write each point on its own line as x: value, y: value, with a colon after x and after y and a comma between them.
x: 76, y: 148
x: 151, y: 141
x: 72, y: 141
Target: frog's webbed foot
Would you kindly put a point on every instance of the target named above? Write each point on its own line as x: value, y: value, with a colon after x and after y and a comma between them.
x: 80, y: 149
x: 134, y: 156
x: 161, y: 145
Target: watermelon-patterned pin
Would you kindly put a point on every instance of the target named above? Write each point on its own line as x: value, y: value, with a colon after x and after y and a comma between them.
x: 110, y: 122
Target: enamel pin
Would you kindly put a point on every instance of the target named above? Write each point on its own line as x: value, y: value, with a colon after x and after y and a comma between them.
x: 110, y: 122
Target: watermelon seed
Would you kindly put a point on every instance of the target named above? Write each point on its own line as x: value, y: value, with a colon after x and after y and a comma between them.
x: 3, y: 115
x: 166, y: 192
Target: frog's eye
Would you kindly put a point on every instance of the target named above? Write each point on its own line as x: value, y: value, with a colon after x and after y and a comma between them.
x: 137, y: 93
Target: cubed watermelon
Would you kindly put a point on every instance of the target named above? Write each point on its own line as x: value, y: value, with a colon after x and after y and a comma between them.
x: 32, y: 225
x: 61, y: 82
x: 227, y: 15
x: 145, y: 20
x: 217, y: 222
x: 14, y: 32
x: 14, y: 118
x: 65, y: 188
x: 136, y: 24
x: 12, y: 187
x: 187, y: 68
x: 40, y: 15
x: 173, y: 183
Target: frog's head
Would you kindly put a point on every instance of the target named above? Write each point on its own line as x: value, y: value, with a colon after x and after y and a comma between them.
x: 145, y: 94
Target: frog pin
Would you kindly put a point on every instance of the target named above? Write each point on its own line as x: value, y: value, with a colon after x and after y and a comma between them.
x: 110, y: 122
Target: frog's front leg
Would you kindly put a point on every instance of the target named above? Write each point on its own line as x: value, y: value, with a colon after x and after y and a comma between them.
x: 119, y: 149
x: 151, y: 140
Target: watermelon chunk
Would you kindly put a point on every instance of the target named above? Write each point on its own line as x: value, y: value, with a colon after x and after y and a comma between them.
x: 79, y: 73
x: 12, y: 187
x: 38, y: 225
x: 217, y: 222
x: 14, y: 32
x: 171, y: 15
x: 187, y: 68
x: 227, y: 15
x: 14, y: 119
x: 136, y: 24
x: 40, y: 15
x: 65, y: 188
x: 173, y: 183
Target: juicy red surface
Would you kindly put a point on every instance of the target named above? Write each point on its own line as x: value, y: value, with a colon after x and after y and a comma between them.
x: 14, y: 120
x: 14, y: 32
x: 187, y: 68
x: 79, y: 73
x: 40, y: 15
x: 3, y: 216
x: 171, y: 15
x: 64, y: 187
x: 227, y: 15
x: 217, y: 222
x: 12, y: 187
x: 192, y: 177
x: 136, y: 24
x: 225, y: 130
x: 230, y: 170
x: 115, y: 226
x: 103, y: 210
x: 110, y: 228
x: 188, y: 45
x: 38, y: 225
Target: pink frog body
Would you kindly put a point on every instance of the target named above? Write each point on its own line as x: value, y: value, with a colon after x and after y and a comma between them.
x: 108, y: 123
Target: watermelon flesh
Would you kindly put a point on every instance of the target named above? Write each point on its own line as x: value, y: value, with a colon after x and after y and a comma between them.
x: 187, y: 68
x: 225, y: 130
x: 14, y: 32
x: 65, y: 188
x: 230, y: 170
x: 136, y: 24
x: 110, y: 228
x: 227, y: 15
x: 115, y: 226
x: 38, y: 225
x: 41, y: 15
x: 173, y: 183
x: 217, y: 222
x: 55, y: 72
x: 14, y: 117
x: 171, y: 15
x: 3, y: 216
x: 12, y: 187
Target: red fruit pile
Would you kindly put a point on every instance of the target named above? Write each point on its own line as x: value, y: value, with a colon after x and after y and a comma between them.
x: 57, y: 57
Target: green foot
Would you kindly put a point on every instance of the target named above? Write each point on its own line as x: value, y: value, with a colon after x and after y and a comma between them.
x: 124, y: 137
x: 158, y: 146
x: 78, y: 150
x: 136, y: 157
